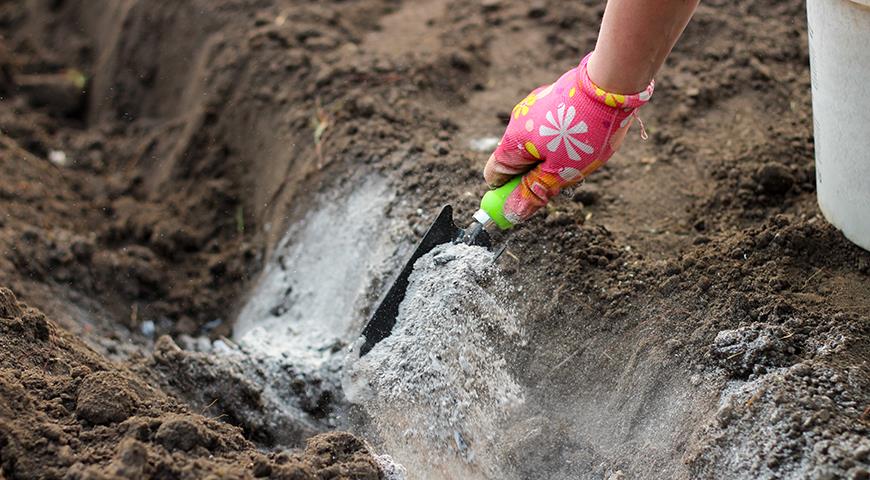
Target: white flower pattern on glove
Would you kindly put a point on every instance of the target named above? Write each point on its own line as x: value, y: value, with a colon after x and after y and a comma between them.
x: 564, y: 132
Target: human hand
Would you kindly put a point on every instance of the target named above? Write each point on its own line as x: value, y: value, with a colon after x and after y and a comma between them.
x: 558, y: 135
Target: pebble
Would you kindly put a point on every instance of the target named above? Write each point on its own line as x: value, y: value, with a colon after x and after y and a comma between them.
x: 483, y: 144
x: 58, y: 158
x: 537, y: 10
x: 490, y: 5
x: 723, y: 415
x: 147, y: 328
x: 440, y: 148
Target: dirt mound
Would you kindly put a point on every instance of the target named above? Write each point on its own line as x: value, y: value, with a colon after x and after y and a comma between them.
x: 66, y: 412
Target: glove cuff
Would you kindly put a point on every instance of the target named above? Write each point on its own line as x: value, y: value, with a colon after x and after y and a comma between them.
x: 615, y: 100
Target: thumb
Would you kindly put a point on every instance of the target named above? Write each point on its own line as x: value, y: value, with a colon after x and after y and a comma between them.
x: 497, y: 173
x: 514, y: 155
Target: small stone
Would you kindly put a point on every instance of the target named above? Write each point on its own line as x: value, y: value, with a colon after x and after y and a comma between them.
x: 443, y: 259
x: 440, y: 148
x: 461, y: 60
x: 490, y: 5
x: 616, y: 475
x: 364, y: 106
x: 147, y: 328
x: 537, y: 10
x: 484, y: 144
x: 724, y: 414
x: 58, y: 157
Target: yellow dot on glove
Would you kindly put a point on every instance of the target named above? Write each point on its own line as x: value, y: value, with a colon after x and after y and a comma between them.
x: 533, y: 150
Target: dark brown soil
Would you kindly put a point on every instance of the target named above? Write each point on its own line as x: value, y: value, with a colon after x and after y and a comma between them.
x: 696, y: 264
x: 67, y: 412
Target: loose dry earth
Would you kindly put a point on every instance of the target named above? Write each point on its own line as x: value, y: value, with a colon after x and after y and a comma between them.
x: 687, y: 313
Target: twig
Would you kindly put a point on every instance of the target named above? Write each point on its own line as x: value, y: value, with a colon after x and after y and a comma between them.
x: 735, y: 355
x: 240, y: 220
x: 229, y: 342
x: 563, y: 362
x: 321, y: 123
x: 810, y: 278
x: 202, y: 412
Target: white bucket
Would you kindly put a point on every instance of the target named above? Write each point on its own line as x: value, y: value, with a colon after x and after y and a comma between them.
x: 839, y: 37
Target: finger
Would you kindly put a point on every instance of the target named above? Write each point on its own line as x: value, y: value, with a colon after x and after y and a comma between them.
x: 512, y: 157
x: 497, y: 174
x: 537, y: 187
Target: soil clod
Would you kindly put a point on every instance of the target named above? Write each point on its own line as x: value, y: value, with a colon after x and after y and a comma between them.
x: 105, y: 397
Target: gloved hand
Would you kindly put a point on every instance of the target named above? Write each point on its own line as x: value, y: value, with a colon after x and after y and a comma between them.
x: 559, y: 134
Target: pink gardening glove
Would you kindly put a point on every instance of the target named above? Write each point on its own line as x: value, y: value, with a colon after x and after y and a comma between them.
x: 559, y: 134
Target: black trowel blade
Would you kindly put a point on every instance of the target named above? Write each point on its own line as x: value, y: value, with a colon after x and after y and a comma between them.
x: 380, y: 325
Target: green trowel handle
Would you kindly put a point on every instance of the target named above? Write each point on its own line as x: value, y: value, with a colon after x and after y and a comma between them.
x: 493, y: 202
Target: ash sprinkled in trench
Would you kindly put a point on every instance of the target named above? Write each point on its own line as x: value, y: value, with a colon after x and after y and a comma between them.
x: 438, y: 388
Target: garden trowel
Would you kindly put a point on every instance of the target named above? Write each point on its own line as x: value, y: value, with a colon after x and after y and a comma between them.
x: 442, y: 230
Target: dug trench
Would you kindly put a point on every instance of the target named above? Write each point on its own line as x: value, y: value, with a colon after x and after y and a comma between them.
x: 205, y: 199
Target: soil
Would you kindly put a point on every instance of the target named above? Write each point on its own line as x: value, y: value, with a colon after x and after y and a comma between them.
x: 67, y: 412
x: 688, y: 312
